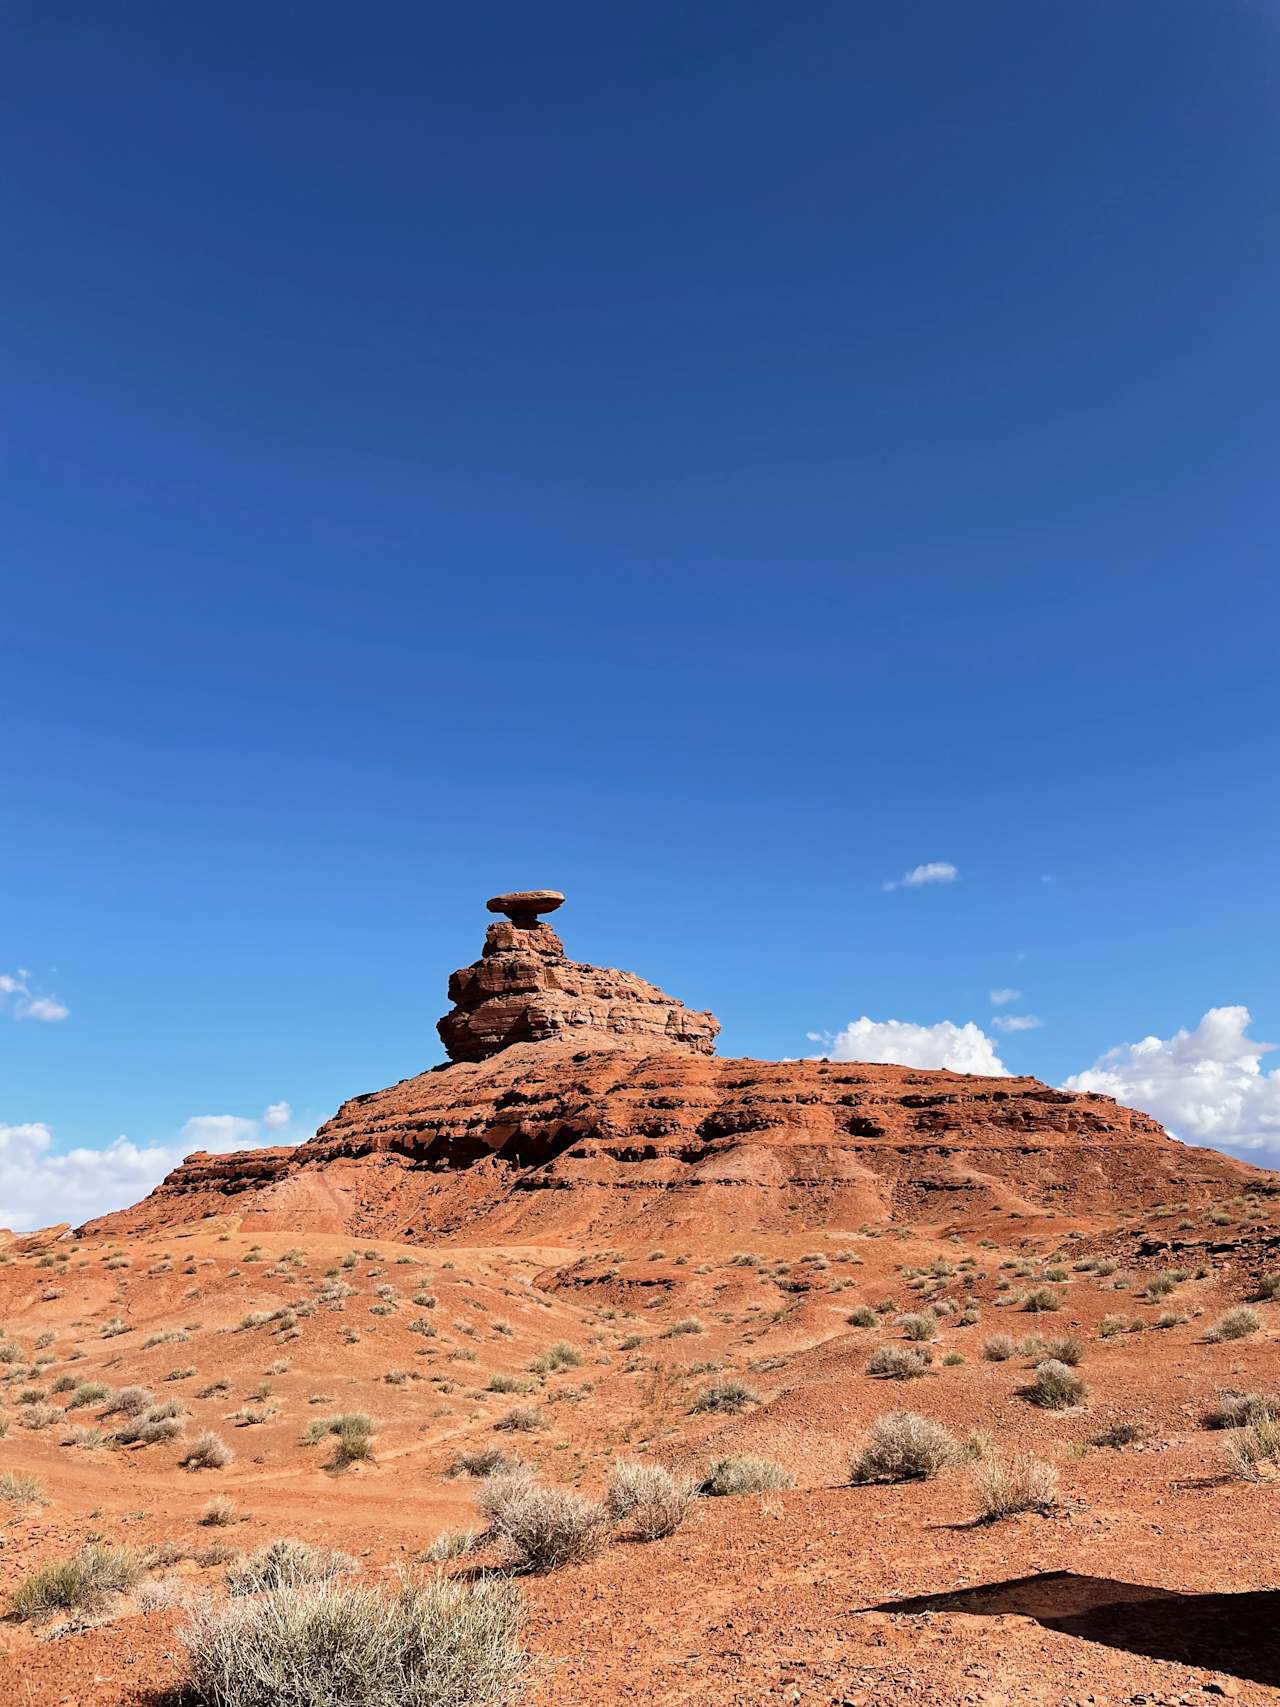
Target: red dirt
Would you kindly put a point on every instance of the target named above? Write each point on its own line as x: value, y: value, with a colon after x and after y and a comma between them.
x: 761, y: 1598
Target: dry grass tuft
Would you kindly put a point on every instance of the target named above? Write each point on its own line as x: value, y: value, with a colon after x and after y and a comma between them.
x: 745, y: 1475
x: 78, y: 1584
x: 653, y: 1501
x: 432, y: 1643
x: 543, y: 1528
x: 1006, y: 1486
x: 904, y: 1447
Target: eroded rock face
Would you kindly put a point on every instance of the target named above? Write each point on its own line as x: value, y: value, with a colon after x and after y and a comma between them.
x: 584, y: 1102
x: 523, y: 989
x: 547, y: 1142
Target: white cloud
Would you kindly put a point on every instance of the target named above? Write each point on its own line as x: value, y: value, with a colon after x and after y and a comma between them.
x: 962, y: 1048
x: 218, y: 1132
x: 1206, y: 1086
x: 1016, y: 1022
x: 1001, y: 998
x: 936, y: 871
x: 24, y: 1003
x: 39, y: 1187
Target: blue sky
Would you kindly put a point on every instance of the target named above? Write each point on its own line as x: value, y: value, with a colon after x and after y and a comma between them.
x: 710, y: 460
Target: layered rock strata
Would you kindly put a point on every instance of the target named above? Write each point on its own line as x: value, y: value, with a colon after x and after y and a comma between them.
x: 523, y: 989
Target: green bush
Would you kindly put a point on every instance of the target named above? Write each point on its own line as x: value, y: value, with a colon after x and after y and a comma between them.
x: 78, y: 1584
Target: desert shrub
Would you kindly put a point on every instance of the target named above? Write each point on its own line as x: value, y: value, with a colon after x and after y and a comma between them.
x: 1255, y: 1448
x: 1110, y: 1326
x: 1235, y: 1410
x: 249, y: 1416
x: 1005, y: 1486
x: 1237, y: 1324
x: 863, y: 1317
x: 452, y: 1544
x: 521, y: 1419
x: 88, y: 1439
x: 219, y: 1512
x: 214, y: 1389
x: 543, y: 1528
x: 903, y: 1447
x: 433, y: 1643
x: 1160, y: 1286
x: 487, y: 1461
x: 919, y: 1325
x: 1055, y: 1386
x: 287, y: 1564
x: 897, y: 1363
x: 689, y: 1325
x: 208, y: 1451
x: 1118, y: 1435
x: 156, y: 1423
x: 130, y: 1402
x: 78, y: 1584
x: 352, y: 1432
x: 17, y: 1489
x: 1268, y: 1289
x: 729, y: 1397
x: 745, y: 1475
x: 1066, y: 1350
x: 505, y: 1383
x: 558, y: 1356
x: 354, y: 1441
x: 650, y: 1498
x: 999, y: 1348
x: 1042, y: 1298
x: 38, y: 1416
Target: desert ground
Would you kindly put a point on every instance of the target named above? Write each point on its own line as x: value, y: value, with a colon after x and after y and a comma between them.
x: 1150, y: 1575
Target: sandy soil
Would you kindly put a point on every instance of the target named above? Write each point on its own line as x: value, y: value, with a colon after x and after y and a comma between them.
x: 1153, y: 1581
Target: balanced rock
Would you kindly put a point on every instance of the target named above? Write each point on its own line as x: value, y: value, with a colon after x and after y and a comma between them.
x: 524, y: 989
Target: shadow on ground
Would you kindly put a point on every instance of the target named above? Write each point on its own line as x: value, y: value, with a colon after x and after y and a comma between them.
x: 1236, y: 1633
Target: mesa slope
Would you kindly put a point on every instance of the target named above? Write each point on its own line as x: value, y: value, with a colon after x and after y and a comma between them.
x: 551, y: 1141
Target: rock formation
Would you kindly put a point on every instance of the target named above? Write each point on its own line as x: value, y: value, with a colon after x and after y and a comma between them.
x: 583, y: 1102
x: 523, y: 989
